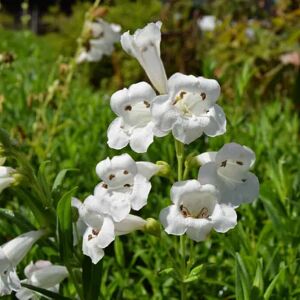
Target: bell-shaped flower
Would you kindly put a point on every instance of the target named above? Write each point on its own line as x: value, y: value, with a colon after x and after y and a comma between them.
x: 144, y: 45
x: 42, y: 274
x: 189, y: 109
x: 134, y: 125
x: 125, y: 185
x: 101, y: 229
x: 6, y: 177
x: 228, y: 170
x: 11, y: 253
x: 196, y: 211
x: 99, y: 40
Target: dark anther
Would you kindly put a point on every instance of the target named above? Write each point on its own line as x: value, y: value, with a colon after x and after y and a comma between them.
x: 125, y: 172
x: 147, y: 104
x: 95, y: 231
x: 127, y: 185
x: 182, y: 94
x: 244, y: 180
x: 240, y: 163
x: 128, y: 108
x: 105, y: 185
x: 90, y: 237
x: 203, y: 95
x: 223, y: 164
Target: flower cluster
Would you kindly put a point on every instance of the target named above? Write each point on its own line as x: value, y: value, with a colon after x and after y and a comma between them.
x: 98, y: 40
x: 125, y: 185
x: 185, y: 106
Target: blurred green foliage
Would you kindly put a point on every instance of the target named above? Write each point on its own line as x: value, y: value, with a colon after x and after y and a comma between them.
x: 259, y: 259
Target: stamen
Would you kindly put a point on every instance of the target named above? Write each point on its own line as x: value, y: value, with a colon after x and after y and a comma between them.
x: 203, y: 95
x: 127, y: 185
x: 182, y: 94
x: 95, y: 231
x: 111, y: 176
x: 184, y: 211
x: 128, y: 108
x: 240, y: 163
x: 125, y: 172
x: 90, y: 237
x: 244, y: 180
x: 203, y: 214
x: 147, y: 104
x: 223, y: 164
x: 104, y: 185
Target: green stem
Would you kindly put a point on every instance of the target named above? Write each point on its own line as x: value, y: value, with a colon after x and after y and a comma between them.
x: 73, y: 279
x: 179, y: 147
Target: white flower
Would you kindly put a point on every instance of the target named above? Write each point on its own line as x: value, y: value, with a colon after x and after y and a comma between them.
x: 144, y: 45
x: 42, y: 274
x: 11, y: 253
x: 134, y: 123
x: 103, y: 36
x: 125, y: 185
x: 6, y: 178
x: 101, y: 229
x: 207, y: 23
x: 195, y: 211
x: 190, y: 108
x: 228, y: 170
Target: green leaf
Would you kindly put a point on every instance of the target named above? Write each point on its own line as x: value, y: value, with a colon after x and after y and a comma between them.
x: 258, y: 280
x: 60, y: 177
x: 241, y: 279
x: 119, y: 251
x: 44, y: 292
x: 91, y: 279
x: 65, y: 230
x: 272, y: 285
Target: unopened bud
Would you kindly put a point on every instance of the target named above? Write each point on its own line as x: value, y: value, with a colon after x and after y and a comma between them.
x: 164, y: 169
x: 152, y: 227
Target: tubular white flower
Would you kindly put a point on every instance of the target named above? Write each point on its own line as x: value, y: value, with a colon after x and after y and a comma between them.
x: 11, y: 253
x: 124, y: 186
x: 103, y: 36
x: 189, y: 109
x: 228, y: 170
x: 196, y: 210
x: 6, y: 178
x: 42, y: 274
x: 134, y: 123
x: 144, y: 45
x: 101, y: 229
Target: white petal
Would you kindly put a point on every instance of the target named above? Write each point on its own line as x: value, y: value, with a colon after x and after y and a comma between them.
x: 25, y: 294
x: 9, y: 282
x: 172, y: 220
x: 224, y: 218
x: 178, y: 82
x: 49, y: 277
x: 211, y: 88
x: 90, y: 248
x: 16, y: 249
x: 32, y: 267
x: 140, y: 192
x: 180, y: 188
x: 198, y: 229
x: 106, y: 234
x: 217, y: 123
x: 120, y: 162
x: 141, y: 138
x: 208, y: 174
x: 206, y: 157
x: 164, y: 114
x: 129, y: 224
x: 147, y: 169
x: 236, y: 152
x: 188, y: 130
x: 144, y: 45
x: 117, y: 138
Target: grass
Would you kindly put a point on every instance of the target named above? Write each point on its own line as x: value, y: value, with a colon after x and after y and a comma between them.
x: 259, y: 259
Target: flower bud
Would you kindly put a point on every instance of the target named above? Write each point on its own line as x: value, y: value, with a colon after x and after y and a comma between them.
x: 152, y: 227
x: 164, y: 168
